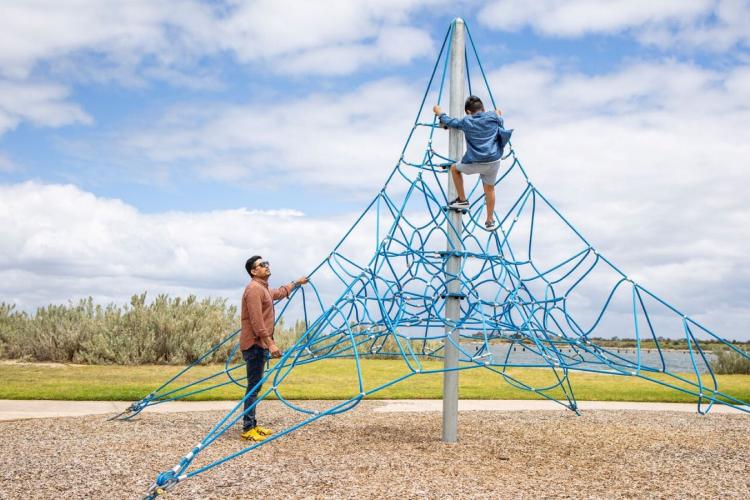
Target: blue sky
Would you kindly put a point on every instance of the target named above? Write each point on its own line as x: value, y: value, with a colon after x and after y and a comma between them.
x: 149, y: 146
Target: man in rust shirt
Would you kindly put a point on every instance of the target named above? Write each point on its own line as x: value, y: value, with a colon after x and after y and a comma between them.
x: 256, y: 337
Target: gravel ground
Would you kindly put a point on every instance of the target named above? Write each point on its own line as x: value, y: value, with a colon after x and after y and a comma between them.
x: 363, y: 454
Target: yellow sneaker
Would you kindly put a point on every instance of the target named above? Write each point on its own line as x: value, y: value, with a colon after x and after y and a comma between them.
x: 253, y: 435
x: 263, y: 431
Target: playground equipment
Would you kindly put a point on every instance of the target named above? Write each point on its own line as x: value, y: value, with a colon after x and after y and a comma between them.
x: 439, y: 285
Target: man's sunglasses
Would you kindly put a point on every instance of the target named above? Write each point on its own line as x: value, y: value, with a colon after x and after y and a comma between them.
x: 262, y: 264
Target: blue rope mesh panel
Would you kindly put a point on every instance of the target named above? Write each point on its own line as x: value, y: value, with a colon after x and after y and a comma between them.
x: 533, y: 293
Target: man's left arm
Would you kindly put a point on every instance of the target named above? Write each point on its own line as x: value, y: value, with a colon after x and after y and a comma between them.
x: 283, y: 291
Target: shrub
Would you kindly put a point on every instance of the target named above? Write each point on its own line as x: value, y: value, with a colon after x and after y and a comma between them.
x: 12, y: 327
x: 168, y: 330
x: 731, y: 362
x: 284, y: 337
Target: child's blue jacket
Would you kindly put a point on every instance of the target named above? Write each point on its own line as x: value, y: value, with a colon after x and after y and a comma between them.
x: 485, y: 135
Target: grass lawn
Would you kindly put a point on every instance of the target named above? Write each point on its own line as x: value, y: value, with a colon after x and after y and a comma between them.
x: 330, y: 379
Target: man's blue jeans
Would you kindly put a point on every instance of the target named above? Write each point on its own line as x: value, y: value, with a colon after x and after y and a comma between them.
x: 255, y: 359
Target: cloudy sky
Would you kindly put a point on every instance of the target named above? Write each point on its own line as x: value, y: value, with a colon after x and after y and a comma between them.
x: 153, y: 146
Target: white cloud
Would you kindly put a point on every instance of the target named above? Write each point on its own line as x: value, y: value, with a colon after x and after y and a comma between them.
x: 648, y: 90
x: 337, y: 140
x: 720, y: 29
x: 40, y: 30
x: 183, y: 41
x: 649, y: 160
x: 649, y: 163
x: 579, y: 17
x: 172, y: 35
x: 705, y: 24
x: 393, y: 45
x: 69, y: 244
x: 40, y: 104
x: 269, y: 28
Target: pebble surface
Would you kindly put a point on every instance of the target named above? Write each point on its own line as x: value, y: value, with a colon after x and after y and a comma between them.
x: 367, y: 454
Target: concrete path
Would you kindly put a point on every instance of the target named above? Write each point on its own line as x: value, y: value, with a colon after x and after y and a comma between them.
x: 24, y: 409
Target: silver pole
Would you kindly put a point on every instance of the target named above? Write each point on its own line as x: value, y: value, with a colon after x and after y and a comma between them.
x: 455, y: 227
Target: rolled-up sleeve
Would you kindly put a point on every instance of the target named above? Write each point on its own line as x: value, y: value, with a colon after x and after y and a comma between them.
x: 281, y: 293
x: 254, y: 303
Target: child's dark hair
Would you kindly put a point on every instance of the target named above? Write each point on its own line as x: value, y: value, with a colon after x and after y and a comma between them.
x: 473, y: 105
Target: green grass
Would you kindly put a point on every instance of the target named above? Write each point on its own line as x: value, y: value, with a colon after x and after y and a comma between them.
x: 330, y: 379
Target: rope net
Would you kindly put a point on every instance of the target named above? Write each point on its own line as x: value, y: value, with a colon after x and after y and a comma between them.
x: 533, y: 294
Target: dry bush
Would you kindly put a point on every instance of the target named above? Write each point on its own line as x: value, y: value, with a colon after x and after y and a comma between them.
x: 731, y: 362
x: 167, y: 330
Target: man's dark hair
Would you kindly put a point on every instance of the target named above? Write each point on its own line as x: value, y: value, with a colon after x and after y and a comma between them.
x: 250, y: 263
x: 473, y: 104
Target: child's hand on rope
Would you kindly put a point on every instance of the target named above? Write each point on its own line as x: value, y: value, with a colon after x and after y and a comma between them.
x: 499, y: 113
x: 436, y: 109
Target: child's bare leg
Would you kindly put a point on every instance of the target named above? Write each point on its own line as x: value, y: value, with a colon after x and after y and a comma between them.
x: 489, y: 198
x: 458, y: 181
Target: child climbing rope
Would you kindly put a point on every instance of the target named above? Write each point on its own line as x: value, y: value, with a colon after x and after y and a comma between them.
x: 486, y: 138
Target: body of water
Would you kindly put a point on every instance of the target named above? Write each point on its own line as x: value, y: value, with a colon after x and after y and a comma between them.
x: 624, y: 358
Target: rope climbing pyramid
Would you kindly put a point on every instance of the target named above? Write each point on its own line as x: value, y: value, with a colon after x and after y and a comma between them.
x: 532, y: 293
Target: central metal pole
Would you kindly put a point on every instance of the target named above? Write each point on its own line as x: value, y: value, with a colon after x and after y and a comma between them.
x: 455, y: 228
